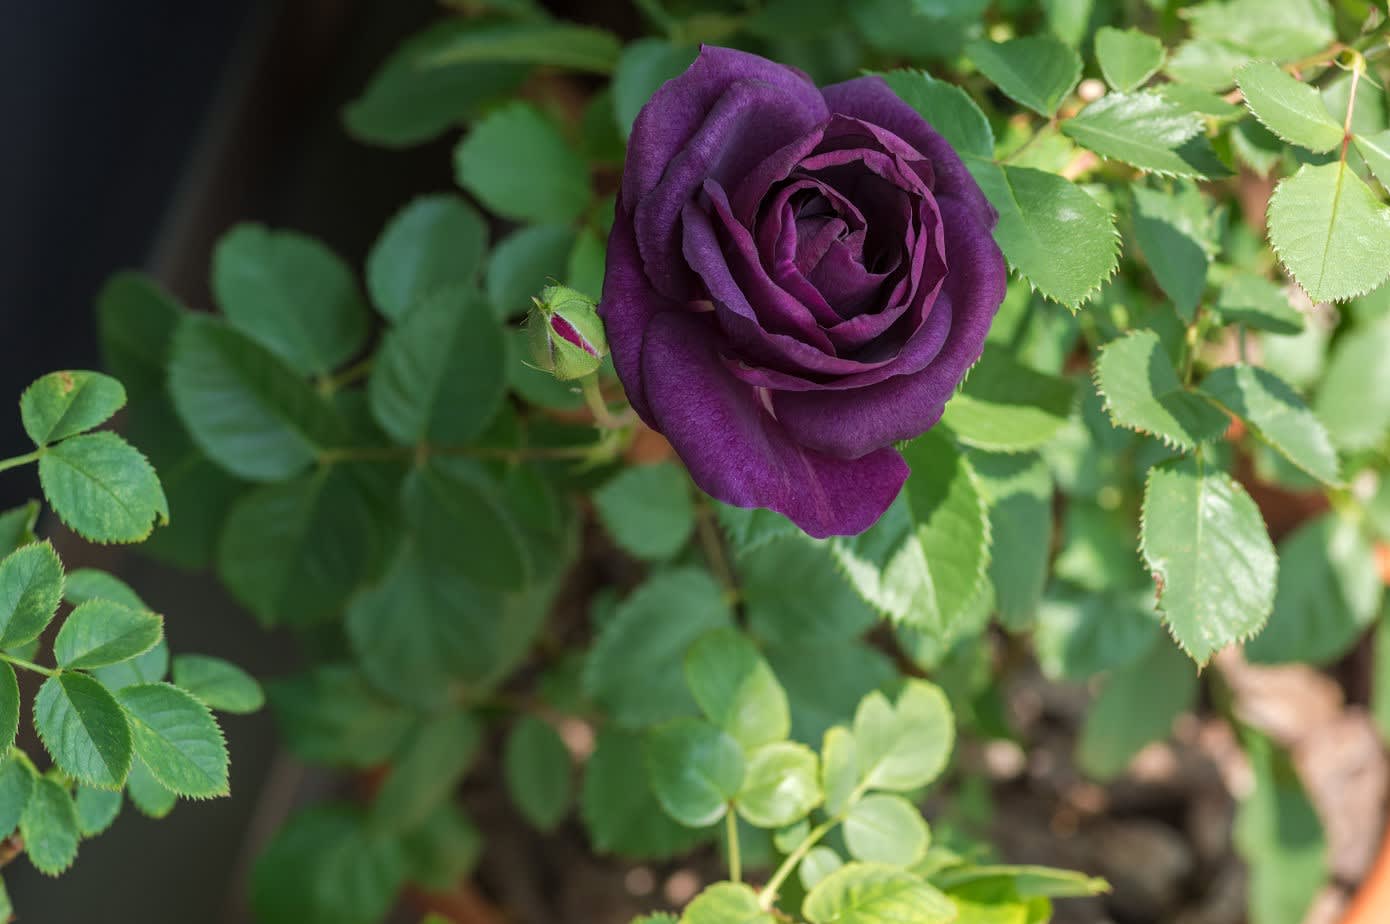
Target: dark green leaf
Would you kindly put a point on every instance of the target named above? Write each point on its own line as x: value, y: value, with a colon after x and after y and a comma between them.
x: 330, y: 715
x: 50, y: 827
x: 1278, y: 415
x: 519, y: 165
x: 620, y: 811
x: 433, y: 243
x: 1142, y: 392
x: 102, y: 488
x: 536, y: 767
x: 17, y: 780
x: 96, y: 809
x: 792, y: 593
x: 220, y: 684
x: 1018, y: 489
x: 1081, y: 634
x: 644, y: 66
x: 64, y: 403
x: 148, y: 794
x: 694, y: 769
x: 736, y: 689
x: 17, y: 526
x: 1144, y: 129
x: 456, y: 515
x: 1353, y: 400
x: 31, y: 587
x: 1005, y: 406
x: 1137, y: 705
x: 1290, y: 108
x: 1172, y: 228
x: 647, y: 510
x: 548, y: 42
x: 824, y: 681
x: 147, y: 668
x: 1038, y: 71
x: 425, y: 772
x: 135, y: 321
x: 444, y: 850
x: 1258, y: 303
x: 9, y: 707
x: 82, y: 727
x: 523, y: 263
x: 947, y: 108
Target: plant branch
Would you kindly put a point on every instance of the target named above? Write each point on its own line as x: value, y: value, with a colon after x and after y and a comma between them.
x: 603, y: 417
x: 17, y: 461
x: 713, y: 545
x: 735, y: 861
x: 28, y: 665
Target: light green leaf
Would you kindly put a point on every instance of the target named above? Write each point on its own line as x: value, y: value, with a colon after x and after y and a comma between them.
x: 1278, y: 834
x: 9, y: 707
x: 520, y: 166
x: 1278, y: 415
x: 1143, y: 129
x: 64, y: 403
x: 31, y: 587
x: 1204, y: 540
x: 1331, y: 232
x: 17, y: 778
x: 425, y: 772
x: 906, y: 746
x: 330, y: 715
x: 220, y: 684
x: 1258, y: 303
x: 1018, y: 489
x: 433, y: 243
x: 695, y: 770
x: 548, y: 42
x: 102, y: 488
x: 924, y: 563
x: 148, y: 667
x: 1290, y: 108
x: 1127, y: 57
x: 1054, y: 234
x: 1207, y: 63
x: 620, y: 811
x: 177, y: 738
x: 644, y: 66
x: 1142, y: 392
x: 457, y: 518
x: 1353, y: 400
x: 1025, y: 882
x: 100, y: 632
x: 96, y: 809
x: 50, y: 827
x: 523, y: 263
x: 1137, y: 705
x: 291, y: 294
x: 647, y: 510
x: 883, y: 828
x: 793, y: 593
x: 242, y: 406
x: 148, y: 794
x: 536, y: 768
x: 1376, y: 150
x: 820, y: 861
x: 1173, y: 230
x: 947, y: 108
x: 82, y: 727
x: 781, y: 785
x: 868, y: 893
x: 440, y: 375
x: 726, y: 903
x: 839, y: 764
x: 825, y: 680
x: 634, y: 668
x: 1037, y: 71
x: 736, y: 689
x: 1328, y: 594
x: 1005, y: 406
x: 1284, y: 30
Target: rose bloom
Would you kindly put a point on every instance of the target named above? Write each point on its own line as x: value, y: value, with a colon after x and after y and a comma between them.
x: 796, y: 279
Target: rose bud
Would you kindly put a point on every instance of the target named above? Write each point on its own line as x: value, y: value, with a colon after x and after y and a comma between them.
x: 566, y: 334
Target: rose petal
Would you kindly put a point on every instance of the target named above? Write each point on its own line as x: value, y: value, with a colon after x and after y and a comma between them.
x: 740, y: 454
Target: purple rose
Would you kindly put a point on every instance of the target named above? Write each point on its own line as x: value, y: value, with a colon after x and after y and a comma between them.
x: 796, y: 279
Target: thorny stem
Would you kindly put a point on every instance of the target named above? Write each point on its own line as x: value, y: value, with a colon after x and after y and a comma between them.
x: 17, y: 461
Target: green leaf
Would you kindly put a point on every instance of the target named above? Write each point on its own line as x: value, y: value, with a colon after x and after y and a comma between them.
x: 291, y: 294
x: 147, y: 794
x: 1328, y: 594
x: 177, y: 738
x: 444, y: 850
x: 1353, y: 400
x: 519, y: 165
x: 1278, y: 415
x: 292, y: 553
x: 1059, y: 238
x: 433, y: 243
x: 619, y: 809
x: 17, y: 780
x: 548, y: 42
x: 65, y: 403
x: 820, y: 861
x: 17, y: 526
x: 1278, y: 834
x: 793, y: 593
x: 536, y: 768
x: 86, y: 584
x: 1023, y: 882
x: 634, y: 668
x: 644, y: 66
x: 824, y: 681
x: 726, y: 903
x: 326, y: 866
x: 100, y: 632
x: 522, y: 263
x: 31, y: 587
x: 1143, y: 129
x: 1204, y: 540
x: 781, y: 785
x: 1330, y: 231
x: 736, y: 689
x: 1137, y: 705
x: 924, y: 563
x: 751, y: 528
x: 102, y: 488
x: 1005, y: 406
x: 1038, y: 71
x: 1142, y: 392
x: 839, y: 764
x: 49, y: 827
x: 82, y: 727
x: 425, y: 772
x: 458, y: 520
x: 883, y: 828
x: 242, y: 406
x: 869, y: 893
x: 906, y: 746
x: 406, y: 102
x: 96, y: 809
x: 1173, y: 230
x: 135, y: 321
x: 695, y: 770
x: 220, y: 684
x: 1258, y: 303
x: 1018, y: 489
x: 947, y: 108
x: 9, y: 707
x: 1376, y: 150
x: 1288, y: 29
x: 647, y: 510
x: 1081, y: 634
x: 330, y: 715
x: 1290, y: 108
x: 440, y: 375
x: 1127, y: 57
